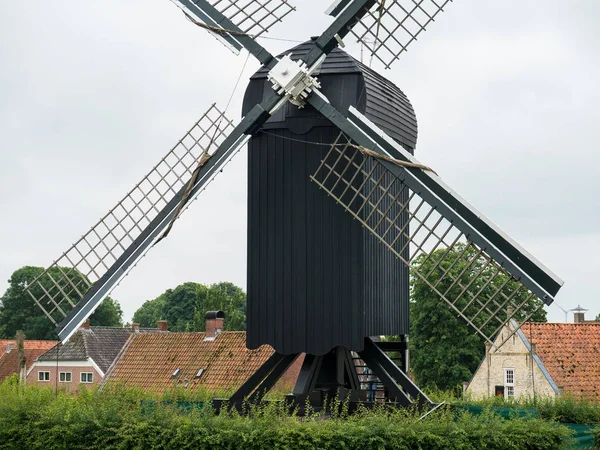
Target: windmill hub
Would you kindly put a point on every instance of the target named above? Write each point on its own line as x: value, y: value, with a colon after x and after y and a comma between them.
x: 294, y: 79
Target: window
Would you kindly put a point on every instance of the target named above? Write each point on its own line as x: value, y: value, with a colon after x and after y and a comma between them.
x: 87, y: 377
x: 199, y: 373
x: 510, y: 392
x: 64, y: 377
x: 509, y: 383
x: 176, y: 373
x: 43, y: 376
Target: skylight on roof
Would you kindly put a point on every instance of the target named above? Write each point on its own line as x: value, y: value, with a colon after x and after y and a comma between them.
x: 176, y: 373
x: 199, y: 373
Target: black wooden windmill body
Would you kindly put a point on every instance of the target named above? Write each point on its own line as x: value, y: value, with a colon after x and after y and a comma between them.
x: 338, y: 208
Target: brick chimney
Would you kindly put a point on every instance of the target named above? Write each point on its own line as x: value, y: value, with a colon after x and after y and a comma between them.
x: 214, y: 324
x: 162, y: 325
x: 10, y: 347
x: 579, y: 314
x: 86, y: 324
x: 135, y: 327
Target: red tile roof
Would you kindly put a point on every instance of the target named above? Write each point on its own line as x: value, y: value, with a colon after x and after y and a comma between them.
x: 150, y: 359
x: 27, y: 344
x: 9, y: 363
x: 571, y: 353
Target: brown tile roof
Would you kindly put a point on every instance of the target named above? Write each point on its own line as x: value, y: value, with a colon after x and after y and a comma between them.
x: 9, y: 361
x: 150, y: 359
x: 571, y: 353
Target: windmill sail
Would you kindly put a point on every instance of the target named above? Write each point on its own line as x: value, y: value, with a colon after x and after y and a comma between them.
x: 254, y: 17
x: 392, y: 25
x: 455, y: 259
x: 237, y: 23
x: 65, y: 283
x: 101, y: 261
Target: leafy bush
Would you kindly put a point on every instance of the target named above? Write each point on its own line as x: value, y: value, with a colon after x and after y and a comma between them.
x: 564, y: 409
x: 569, y: 410
x: 596, y: 433
x: 114, y: 418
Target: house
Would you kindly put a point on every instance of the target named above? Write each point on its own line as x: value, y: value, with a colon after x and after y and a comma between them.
x: 9, y: 358
x: 84, y: 359
x: 215, y: 360
x: 542, y: 360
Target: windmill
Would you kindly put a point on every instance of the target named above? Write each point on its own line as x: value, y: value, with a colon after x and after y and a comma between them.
x: 339, y: 209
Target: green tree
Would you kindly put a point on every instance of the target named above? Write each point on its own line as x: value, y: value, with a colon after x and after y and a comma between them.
x: 180, y: 305
x: 445, y: 350
x: 227, y: 297
x: 108, y: 314
x: 184, y: 307
x: 150, y: 312
x: 18, y: 311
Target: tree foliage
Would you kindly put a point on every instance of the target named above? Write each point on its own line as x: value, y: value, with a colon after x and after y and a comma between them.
x: 447, y: 351
x: 150, y: 312
x: 18, y: 311
x: 184, y: 307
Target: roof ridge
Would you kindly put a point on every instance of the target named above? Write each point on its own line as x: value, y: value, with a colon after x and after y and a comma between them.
x: 85, y: 344
x: 111, y: 327
x: 122, y: 352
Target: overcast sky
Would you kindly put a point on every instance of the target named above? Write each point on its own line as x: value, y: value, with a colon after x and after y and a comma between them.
x: 93, y: 93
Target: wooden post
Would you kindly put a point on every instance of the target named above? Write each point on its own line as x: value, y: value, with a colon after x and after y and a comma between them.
x: 20, y: 338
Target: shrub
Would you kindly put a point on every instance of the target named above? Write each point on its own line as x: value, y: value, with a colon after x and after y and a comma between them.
x: 596, y: 433
x: 564, y: 409
x: 114, y: 418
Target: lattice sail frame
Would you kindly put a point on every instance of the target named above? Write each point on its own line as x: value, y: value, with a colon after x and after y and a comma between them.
x: 60, y: 287
x: 232, y: 22
x: 254, y: 17
x: 392, y: 25
x: 450, y: 265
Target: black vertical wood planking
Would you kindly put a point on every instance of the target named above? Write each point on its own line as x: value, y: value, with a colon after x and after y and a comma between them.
x: 316, y: 279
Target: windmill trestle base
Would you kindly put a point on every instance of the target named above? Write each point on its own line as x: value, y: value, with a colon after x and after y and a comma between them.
x: 332, y: 381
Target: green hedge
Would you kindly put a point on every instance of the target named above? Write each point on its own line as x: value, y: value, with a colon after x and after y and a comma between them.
x: 563, y: 409
x: 34, y: 418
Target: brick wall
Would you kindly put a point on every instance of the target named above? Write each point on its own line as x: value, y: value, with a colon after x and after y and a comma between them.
x: 213, y: 327
x: 32, y: 377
